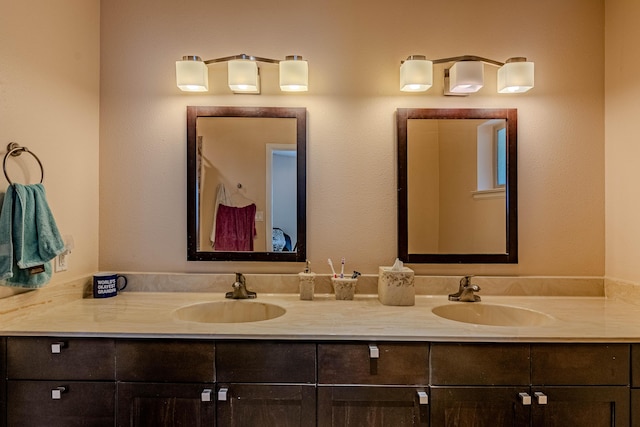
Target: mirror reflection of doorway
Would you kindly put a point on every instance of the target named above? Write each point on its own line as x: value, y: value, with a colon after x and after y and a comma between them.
x: 281, y: 197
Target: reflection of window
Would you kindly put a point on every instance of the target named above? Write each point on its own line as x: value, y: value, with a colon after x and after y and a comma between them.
x: 501, y: 157
x: 491, y: 159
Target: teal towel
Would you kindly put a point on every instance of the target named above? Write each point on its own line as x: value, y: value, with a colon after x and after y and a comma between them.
x: 29, y: 237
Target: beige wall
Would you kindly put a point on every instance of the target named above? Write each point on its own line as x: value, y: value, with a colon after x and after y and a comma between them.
x: 354, y: 50
x: 622, y: 141
x: 49, y: 102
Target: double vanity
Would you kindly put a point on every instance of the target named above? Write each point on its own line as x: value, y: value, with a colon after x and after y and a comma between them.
x: 152, y: 357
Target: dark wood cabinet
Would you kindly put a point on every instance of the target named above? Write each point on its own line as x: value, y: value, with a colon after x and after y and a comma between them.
x: 165, y: 383
x: 174, y: 382
x: 60, y: 382
x: 170, y: 360
x: 368, y: 406
x: 373, y: 363
x: 3, y: 382
x: 50, y: 358
x: 165, y: 404
x: 60, y: 403
x: 364, y: 384
x: 265, y: 362
x: 555, y: 384
x: 593, y: 406
x: 495, y: 406
x: 270, y: 383
x: 266, y: 405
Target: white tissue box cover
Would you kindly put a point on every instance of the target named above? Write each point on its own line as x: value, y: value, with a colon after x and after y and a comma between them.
x: 396, y: 287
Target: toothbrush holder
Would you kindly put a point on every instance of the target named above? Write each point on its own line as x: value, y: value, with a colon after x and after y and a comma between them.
x: 307, y: 285
x: 344, y: 288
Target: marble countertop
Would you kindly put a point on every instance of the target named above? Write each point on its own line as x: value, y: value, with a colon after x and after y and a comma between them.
x: 149, y: 314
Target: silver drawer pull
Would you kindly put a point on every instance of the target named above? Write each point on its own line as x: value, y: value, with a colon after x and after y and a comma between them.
x: 56, y: 393
x: 423, y: 397
x: 57, y: 347
x: 374, y: 352
x: 541, y: 398
x: 525, y: 398
x: 205, y: 396
x: 222, y: 394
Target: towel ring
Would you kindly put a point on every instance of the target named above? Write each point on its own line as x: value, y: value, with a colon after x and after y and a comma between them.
x: 14, y: 150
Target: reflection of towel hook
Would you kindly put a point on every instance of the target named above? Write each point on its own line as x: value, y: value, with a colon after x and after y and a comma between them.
x: 239, y: 185
x: 14, y: 149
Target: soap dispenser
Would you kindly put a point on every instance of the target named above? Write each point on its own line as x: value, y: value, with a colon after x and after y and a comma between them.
x: 307, y: 283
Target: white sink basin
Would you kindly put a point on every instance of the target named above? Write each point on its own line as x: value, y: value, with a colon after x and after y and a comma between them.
x: 493, y: 315
x: 231, y: 311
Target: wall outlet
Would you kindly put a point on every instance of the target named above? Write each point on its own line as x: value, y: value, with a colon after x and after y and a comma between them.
x: 61, y: 262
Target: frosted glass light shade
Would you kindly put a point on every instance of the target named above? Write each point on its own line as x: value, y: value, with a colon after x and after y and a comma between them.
x: 515, y: 77
x: 192, y: 75
x: 466, y: 77
x: 294, y: 74
x: 243, y: 75
x: 416, y: 74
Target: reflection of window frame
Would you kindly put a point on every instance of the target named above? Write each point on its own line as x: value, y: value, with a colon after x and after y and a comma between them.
x: 490, y: 135
x: 500, y: 156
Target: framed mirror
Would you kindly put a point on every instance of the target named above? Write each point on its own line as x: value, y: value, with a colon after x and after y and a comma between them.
x: 246, y: 184
x: 457, y: 185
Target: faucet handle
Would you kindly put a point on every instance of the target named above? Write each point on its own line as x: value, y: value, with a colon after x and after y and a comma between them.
x: 466, y: 280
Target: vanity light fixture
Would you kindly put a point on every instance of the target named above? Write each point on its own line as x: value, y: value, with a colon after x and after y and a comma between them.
x: 466, y: 75
x: 192, y: 74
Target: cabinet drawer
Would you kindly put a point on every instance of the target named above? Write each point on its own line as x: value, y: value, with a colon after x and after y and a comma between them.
x: 580, y: 364
x: 60, y: 358
x: 165, y: 360
x: 258, y: 362
x: 30, y: 403
x: 480, y: 364
x: 368, y: 363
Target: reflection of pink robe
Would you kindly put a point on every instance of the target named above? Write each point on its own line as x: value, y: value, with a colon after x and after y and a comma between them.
x: 235, y: 228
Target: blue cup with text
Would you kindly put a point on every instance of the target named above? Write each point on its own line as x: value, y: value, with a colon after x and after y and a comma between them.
x: 107, y: 285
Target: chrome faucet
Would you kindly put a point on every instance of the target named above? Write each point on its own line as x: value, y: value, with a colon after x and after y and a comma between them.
x: 240, y: 289
x: 466, y: 291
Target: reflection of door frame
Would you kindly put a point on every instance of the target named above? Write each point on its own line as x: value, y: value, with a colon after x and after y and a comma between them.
x: 269, y: 199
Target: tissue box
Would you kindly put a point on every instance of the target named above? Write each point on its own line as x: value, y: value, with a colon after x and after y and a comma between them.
x: 396, y: 287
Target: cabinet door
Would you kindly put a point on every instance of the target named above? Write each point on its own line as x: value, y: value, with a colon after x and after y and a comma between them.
x: 581, y: 407
x: 165, y: 405
x: 68, y: 404
x: 369, y: 406
x: 3, y: 384
x: 266, y: 405
x: 480, y: 407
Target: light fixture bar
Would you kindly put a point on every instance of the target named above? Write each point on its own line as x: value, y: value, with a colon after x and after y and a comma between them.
x: 242, y: 56
x: 468, y: 58
x: 466, y: 75
x: 243, y: 73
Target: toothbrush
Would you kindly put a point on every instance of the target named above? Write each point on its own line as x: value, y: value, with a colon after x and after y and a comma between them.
x: 342, y: 269
x: 332, y: 269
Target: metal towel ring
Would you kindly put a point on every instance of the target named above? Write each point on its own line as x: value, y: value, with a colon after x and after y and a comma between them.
x: 14, y: 149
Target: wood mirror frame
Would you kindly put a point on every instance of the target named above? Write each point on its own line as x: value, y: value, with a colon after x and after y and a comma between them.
x: 511, y: 195
x: 196, y: 254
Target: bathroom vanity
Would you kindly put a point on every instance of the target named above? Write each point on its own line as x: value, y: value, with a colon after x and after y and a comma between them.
x: 106, y: 382
x: 129, y: 361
